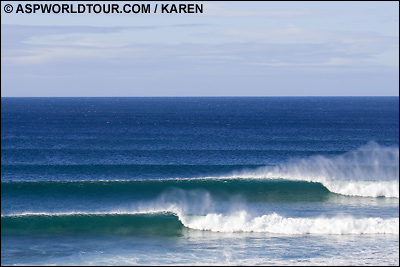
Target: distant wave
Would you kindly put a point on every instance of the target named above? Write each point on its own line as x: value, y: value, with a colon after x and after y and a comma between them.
x: 370, y: 171
x: 172, y: 223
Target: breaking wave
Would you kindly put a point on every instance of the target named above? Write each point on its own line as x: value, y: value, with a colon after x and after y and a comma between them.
x: 370, y: 171
x: 171, y: 223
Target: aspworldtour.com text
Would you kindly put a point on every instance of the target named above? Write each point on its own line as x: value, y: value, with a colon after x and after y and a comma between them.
x: 104, y: 8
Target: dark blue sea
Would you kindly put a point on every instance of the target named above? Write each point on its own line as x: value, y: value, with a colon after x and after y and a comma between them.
x: 200, y: 181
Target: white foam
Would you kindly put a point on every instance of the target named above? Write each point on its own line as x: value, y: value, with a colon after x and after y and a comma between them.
x: 274, y: 223
x: 364, y: 188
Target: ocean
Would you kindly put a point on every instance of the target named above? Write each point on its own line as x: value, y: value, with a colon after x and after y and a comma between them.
x: 200, y: 181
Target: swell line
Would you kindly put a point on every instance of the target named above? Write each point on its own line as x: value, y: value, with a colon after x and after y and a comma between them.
x: 252, y: 190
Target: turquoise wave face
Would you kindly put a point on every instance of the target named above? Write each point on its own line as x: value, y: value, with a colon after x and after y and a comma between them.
x: 160, y: 224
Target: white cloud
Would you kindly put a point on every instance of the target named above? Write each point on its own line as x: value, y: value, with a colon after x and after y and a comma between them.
x: 240, y: 49
x: 225, y: 10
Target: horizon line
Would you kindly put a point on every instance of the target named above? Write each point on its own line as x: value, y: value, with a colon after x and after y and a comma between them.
x: 193, y: 96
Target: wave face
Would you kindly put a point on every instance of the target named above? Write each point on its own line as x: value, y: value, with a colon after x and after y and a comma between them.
x: 253, y: 190
x: 161, y: 224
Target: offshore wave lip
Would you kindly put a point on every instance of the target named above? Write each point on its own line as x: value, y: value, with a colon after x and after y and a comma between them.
x: 356, y: 188
x: 369, y: 171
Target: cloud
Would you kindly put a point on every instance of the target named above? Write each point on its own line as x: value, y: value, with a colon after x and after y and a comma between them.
x: 303, y: 35
x: 223, y: 10
x: 28, y: 30
x: 345, y: 44
x: 81, y: 60
x: 84, y: 52
x: 278, y: 47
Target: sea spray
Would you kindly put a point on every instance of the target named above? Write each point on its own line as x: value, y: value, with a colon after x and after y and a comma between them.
x: 369, y: 171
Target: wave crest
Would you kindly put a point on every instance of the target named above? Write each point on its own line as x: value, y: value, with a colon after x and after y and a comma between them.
x: 370, y: 171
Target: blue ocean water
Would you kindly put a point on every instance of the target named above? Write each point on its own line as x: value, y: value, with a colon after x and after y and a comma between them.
x: 200, y: 181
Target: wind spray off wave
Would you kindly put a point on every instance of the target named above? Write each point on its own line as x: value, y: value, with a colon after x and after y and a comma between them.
x: 370, y: 171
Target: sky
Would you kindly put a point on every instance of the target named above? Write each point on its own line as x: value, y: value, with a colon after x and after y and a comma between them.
x: 282, y: 48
